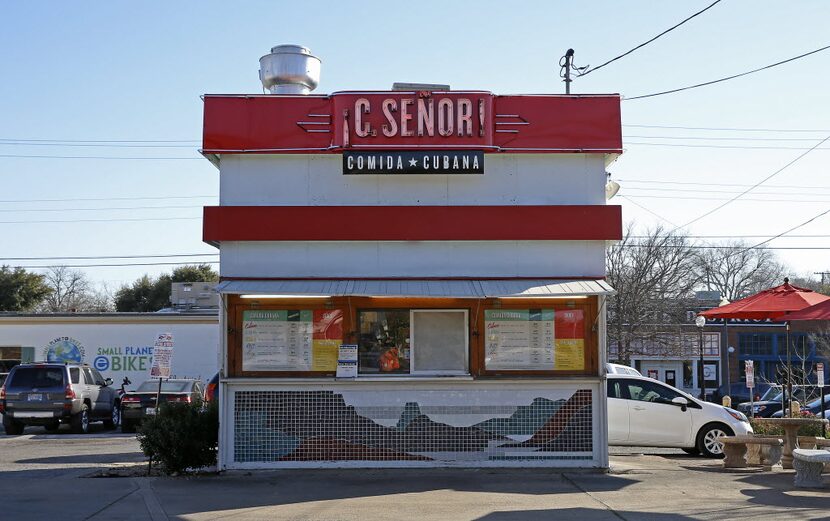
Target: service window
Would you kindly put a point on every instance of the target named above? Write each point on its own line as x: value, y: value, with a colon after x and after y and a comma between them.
x: 534, y: 340
x: 404, y: 341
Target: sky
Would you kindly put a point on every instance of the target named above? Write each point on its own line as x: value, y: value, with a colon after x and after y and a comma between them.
x: 129, y: 75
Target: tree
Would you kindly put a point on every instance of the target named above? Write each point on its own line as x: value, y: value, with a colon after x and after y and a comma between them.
x: 654, y: 277
x: 21, y: 290
x: 737, y: 271
x: 73, y: 292
x: 149, y: 295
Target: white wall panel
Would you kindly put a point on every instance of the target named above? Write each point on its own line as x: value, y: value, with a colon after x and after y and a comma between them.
x: 523, y: 179
x: 290, y: 259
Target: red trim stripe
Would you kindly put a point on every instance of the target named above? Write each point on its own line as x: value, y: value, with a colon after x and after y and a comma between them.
x: 412, y: 223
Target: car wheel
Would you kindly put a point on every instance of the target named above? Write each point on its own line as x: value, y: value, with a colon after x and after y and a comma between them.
x: 115, y: 417
x: 52, y: 427
x: 693, y: 451
x: 12, y: 427
x: 127, y: 426
x: 80, y: 421
x: 707, y: 439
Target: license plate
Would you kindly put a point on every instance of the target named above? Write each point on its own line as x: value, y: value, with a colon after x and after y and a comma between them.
x: 35, y: 397
x: 150, y: 411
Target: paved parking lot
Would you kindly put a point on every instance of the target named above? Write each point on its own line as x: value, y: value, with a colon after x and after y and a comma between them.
x: 47, y: 477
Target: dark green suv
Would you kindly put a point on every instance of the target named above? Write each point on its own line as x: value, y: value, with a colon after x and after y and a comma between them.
x: 49, y: 394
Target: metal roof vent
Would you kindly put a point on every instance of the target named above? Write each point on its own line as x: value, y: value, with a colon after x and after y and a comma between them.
x: 289, y: 69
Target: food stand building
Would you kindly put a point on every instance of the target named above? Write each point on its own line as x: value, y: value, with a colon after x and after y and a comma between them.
x: 455, y: 239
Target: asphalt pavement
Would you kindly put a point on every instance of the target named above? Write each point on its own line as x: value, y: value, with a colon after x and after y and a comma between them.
x: 69, y: 477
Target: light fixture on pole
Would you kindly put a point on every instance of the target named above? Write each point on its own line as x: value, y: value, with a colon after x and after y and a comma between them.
x: 611, y: 187
x: 700, y: 322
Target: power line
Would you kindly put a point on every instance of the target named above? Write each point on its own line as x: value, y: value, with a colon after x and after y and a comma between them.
x: 102, y: 140
x: 102, y: 145
x: 102, y: 157
x: 105, y: 220
x: 102, y: 257
x: 727, y: 247
x: 698, y: 183
x: 801, y: 236
x: 722, y: 138
x: 76, y: 199
x: 117, y: 265
x: 693, y: 198
x: 732, y: 129
x: 730, y: 77
x: 670, y: 29
x: 97, y: 209
x: 734, y: 147
x: 805, y: 223
x: 704, y: 191
x: 710, y: 212
x: 635, y: 203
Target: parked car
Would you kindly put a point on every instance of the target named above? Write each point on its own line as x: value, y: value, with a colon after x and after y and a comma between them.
x: 137, y: 405
x: 212, y: 389
x: 739, y: 392
x: 646, y: 412
x: 621, y: 369
x: 813, y: 407
x: 3, y: 378
x: 769, y: 406
x: 49, y: 394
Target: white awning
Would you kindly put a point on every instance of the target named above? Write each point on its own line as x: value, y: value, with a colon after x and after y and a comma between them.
x: 419, y: 288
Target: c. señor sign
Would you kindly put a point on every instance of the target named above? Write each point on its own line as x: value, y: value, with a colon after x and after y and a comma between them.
x: 425, y: 118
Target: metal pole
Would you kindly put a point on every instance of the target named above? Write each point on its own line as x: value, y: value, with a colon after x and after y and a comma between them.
x: 568, y: 61
x: 700, y: 372
x: 789, y: 397
x: 728, y: 376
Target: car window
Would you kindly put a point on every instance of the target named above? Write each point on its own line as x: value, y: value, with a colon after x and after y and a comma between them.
x: 74, y: 375
x: 37, y: 377
x: 89, y: 380
x: 614, y: 389
x: 643, y: 391
x: 170, y: 386
x: 99, y: 380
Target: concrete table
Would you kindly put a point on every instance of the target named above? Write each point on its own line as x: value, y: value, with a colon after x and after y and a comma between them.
x: 791, y: 427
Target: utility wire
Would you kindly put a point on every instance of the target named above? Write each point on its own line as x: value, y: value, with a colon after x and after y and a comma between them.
x: 744, y: 199
x: 805, y: 223
x: 102, y: 257
x: 733, y: 147
x: 723, y: 138
x: 635, y: 203
x: 117, y: 265
x: 97, y: 209
x: 700, y: 190
x: 710, y: 212
x: 731, y: 129
x: 104, y: 145
x: 75, y: 199
x: 730, y: 77
x: 105, y: 220
x: 103, y: 157
x: 612, y: 60
x: 698, y: 183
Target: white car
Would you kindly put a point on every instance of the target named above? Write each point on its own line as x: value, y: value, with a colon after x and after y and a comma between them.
x: 648, y: 413
x: 621, y: 369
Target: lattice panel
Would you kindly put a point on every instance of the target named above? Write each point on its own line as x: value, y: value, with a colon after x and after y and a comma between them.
x: 412, y: 425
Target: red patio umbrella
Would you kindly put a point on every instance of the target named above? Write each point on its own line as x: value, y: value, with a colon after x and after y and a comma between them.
x: 820, y: 311
x: 774, y: 303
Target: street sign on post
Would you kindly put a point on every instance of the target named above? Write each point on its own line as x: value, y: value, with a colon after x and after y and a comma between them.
x: 162, y: 356
x: 749, y: 370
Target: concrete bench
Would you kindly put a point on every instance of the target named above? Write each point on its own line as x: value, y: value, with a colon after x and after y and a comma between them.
x: 768, y: 451
x: 808, y: 464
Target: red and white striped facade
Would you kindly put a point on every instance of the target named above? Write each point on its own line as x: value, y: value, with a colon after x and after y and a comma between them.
x: 287, y: 211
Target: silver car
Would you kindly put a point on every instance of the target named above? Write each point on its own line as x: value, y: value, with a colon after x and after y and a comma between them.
x: 49, y: 394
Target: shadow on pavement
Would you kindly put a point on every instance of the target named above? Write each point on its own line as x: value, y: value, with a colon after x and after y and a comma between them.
x: 115, y: 457
x: 577, y: 514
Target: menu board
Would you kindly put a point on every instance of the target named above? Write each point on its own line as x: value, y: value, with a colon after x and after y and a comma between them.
x: 519, y: 339
x: 534, y: 339
x: 291, y: 340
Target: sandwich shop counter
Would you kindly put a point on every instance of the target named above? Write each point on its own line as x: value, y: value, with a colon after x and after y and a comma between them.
x: 468, y: 380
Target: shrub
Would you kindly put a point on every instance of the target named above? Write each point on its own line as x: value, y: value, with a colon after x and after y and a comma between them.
x: 181, y: 436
